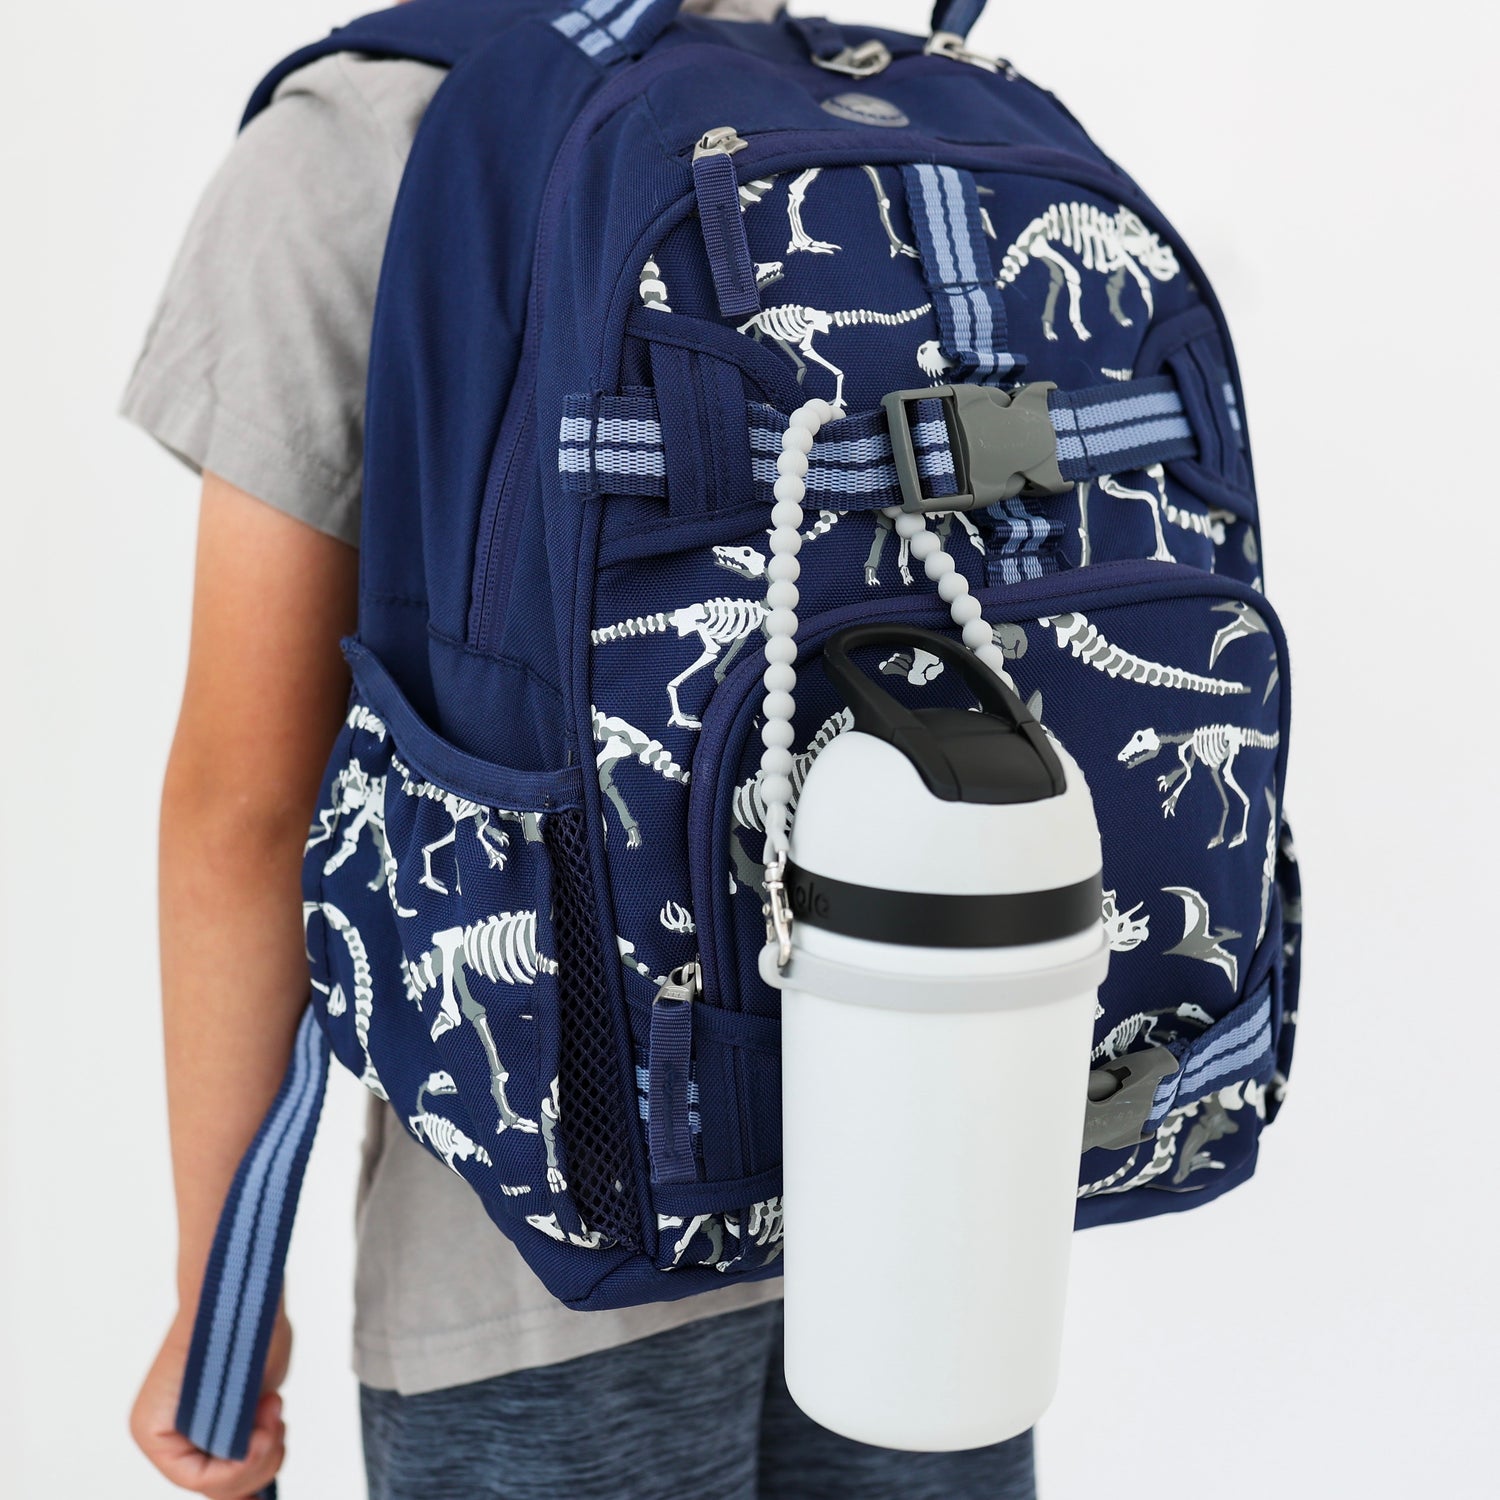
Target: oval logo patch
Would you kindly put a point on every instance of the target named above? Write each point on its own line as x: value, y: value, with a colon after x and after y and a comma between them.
x: 865, y: 109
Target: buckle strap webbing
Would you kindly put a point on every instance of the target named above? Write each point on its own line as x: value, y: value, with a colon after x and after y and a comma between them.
x: 242, y: 1283
x: 1232, y: 1050
x: 613, y: 444
x: 968, y: 306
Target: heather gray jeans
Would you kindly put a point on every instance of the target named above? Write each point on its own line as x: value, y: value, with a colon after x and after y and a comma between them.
x: 699, y: 1412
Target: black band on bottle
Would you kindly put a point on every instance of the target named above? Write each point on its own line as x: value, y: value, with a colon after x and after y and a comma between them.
x: 922, y: 919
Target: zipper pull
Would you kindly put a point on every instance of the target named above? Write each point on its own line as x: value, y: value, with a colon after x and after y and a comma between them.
x: 950, y: 45
x: 669, y: 1087
x: 723, y: 223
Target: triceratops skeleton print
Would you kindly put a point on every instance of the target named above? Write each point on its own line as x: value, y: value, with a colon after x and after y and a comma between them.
x: 1216, y: 746
x: 502, y: 948
x: 718, y: 623
x: 1114, y: 245
x: 1087, y: 643
x: 1123, y: 929
x: 440, y: 1133
x: 619, y: 740
x: 364, y: 987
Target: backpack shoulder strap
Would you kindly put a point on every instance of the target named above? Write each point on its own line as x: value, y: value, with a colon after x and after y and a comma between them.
x: 440, y: 32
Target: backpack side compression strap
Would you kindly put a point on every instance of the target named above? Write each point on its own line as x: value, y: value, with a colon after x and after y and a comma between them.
x: 242, y: 1282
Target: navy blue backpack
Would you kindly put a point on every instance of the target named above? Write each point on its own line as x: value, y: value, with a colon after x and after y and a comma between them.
x: 627, y: 245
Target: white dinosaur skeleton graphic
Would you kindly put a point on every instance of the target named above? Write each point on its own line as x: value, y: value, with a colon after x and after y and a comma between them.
x: 551, y: 1114
x: 494, y: 841
x: 1087, y: 643
x: 631, y: 962
x: 590, y: 1239
x: 933, y: 363
x: 792, y: 327
x: 802, y: 240
x: 501, y: 947
x: 359, y: 803
x: 1114, y: 245
x: 619, y: 740
x: 718, y: 623
x: 1216, y: 746
x: 1244, y: 620
x: 1141, y: 1027
x: 1268, y: 868
x: 653, y: 290
x: 1112, y: 486
x: 764, y: 1227
x: 1200, y: 938
x: 364, y: 988
x: 677, y: 918
x: 1121, y: 929
x: 445, y: 1138
x: 917, y: 666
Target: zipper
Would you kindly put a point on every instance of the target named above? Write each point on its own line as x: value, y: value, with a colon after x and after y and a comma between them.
x: 717, y: 190
x: 1102, y: 585
x: 669, y: 1128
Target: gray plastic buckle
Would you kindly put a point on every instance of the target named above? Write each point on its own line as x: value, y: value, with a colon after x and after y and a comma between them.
x: 1003, y: 444
x: 1121, y: 1094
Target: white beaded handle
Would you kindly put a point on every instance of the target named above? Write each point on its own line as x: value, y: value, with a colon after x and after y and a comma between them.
x: 781, y: 641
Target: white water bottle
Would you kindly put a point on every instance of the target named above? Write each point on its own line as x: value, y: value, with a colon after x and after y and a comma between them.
x: 937, y: 1018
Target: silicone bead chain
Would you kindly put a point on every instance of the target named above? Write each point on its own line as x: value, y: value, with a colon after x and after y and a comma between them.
x: 780, y: 679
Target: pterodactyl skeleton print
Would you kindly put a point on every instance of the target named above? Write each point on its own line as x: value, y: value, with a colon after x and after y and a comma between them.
x: 1200, y: 938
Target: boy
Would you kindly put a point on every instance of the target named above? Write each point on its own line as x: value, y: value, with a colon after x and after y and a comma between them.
x: 474, y: 1381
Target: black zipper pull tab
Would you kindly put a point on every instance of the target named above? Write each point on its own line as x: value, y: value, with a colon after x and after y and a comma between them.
x: 723, y: 223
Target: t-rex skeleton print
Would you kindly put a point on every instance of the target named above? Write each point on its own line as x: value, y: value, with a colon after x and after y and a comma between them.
x: 1200, y: 938
x: 1216, y: 745
x: 364, y: 987
x: 439, y: 1131
x: 792, y: 327
x: 885, y: 526
x: 1087, y: 643
x: 802, y: 240
x: 502, y: 948
x: 1115, y: 245
x: 718, y: 623
x: 359, y: 804
x: 619, y: 740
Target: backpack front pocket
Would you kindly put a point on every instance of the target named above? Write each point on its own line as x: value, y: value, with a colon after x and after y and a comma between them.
x: 449, y: 918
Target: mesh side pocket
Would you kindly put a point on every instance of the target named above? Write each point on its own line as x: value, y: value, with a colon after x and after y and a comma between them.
x: 600, y: 1169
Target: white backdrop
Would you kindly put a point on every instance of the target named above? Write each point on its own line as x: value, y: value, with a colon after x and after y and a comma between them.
x: 1333, y: 167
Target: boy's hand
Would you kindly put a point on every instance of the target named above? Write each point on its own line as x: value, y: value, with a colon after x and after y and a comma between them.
x: 153, y: 1422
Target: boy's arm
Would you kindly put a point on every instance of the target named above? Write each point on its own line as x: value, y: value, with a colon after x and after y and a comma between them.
x: 265, y: 693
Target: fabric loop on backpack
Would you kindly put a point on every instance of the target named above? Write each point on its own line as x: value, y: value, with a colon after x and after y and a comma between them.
x: 1233, y: 1050
x: 242, y: 1283
x: 614, y: 444
x: 957, y: 17
x: 970, y: 310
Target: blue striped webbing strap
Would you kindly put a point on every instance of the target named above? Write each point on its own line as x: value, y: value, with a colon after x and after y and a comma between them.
x: 242, y: 1283
x: 1232, y: 1050
x: 613, y: 444
x: 608, y: 30
x: 956, y: 16
x: 960, y: 277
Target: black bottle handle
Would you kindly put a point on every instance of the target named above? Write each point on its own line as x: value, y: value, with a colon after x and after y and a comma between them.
x: 877, y: 713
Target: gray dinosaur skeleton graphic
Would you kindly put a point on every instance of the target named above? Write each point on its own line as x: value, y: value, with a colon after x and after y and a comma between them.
x: 1215, y: 746
x: 792, y: 327
x: 802, y: 240
x: 1087, y: 643
x: 917, y: 666
x: 439, y: 1131
x: 1200, y: 938
x: 748, y: 805
x: 1116, y: 246
x: 502, y: 948
x: 718, y: 623
x: 617, y: 741
x: 364, y: 987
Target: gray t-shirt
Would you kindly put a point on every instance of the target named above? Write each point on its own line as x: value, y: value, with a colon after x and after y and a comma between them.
x: 254, y: 368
